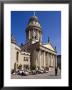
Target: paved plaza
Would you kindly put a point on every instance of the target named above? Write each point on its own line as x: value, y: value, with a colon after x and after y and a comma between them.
x: 49, y: 75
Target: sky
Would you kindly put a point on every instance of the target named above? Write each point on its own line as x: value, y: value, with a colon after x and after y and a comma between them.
x: 50, y: 22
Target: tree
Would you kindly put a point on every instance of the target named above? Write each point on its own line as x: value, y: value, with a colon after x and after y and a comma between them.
x: 20, y: 67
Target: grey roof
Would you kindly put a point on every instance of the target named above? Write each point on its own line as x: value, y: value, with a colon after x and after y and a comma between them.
x: 33, y: 18
x: 33, y: 21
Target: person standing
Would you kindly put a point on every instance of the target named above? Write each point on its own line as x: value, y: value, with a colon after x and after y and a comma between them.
x: 56, y: 70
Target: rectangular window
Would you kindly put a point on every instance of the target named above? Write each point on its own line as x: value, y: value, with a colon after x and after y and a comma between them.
x: 25, y: 59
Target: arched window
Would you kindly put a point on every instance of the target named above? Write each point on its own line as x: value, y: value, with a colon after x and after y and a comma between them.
x: 17, y: 56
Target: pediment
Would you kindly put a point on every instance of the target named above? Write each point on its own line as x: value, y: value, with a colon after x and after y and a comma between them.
x: 49, y: 46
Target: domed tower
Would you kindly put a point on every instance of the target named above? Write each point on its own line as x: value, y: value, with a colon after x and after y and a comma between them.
x: 33, y: 30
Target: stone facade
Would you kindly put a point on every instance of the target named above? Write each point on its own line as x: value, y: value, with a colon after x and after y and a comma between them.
x: 41, y: 56
x: 38, y: 54
x: 19, y: 58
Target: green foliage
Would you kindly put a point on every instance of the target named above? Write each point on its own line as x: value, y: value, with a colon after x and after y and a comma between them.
x: 20, y: 67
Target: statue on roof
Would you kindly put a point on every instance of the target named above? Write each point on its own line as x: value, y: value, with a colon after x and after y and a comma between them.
x: 48, y: 39
x: 13, y: 40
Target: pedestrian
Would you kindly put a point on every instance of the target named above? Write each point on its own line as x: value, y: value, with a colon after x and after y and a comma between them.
x: 56, y: 71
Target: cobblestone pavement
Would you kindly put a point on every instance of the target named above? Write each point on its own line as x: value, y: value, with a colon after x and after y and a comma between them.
x: 49, y: 75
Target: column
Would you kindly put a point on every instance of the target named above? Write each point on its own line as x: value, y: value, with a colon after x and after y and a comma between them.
x: 50, y: 59
x: 22, y: 66
x: 47, y: 60
x: 29, y: 62
x: 38, y: 36
x: 36, y: 59
x: 39, y: 59
x: 53, y: 61
x: 29, y: 34
x: 44, y: 59
x: 41, y: 38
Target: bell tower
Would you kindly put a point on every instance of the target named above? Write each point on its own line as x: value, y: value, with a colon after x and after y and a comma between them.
x: 33, y: 30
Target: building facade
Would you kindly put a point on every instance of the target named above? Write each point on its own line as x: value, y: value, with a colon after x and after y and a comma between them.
x: 40, y: 56
x: 19, y: 59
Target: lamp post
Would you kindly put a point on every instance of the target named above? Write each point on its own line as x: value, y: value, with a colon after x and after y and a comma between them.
x: 56, y: 63
x: 56, y: 58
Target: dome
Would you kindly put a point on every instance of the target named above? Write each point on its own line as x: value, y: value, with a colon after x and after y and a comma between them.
x: 33, y: 18
x: 33, y: 21
x: 13, y: 40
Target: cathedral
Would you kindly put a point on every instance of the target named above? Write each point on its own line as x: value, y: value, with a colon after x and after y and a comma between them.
x: 33, y: 54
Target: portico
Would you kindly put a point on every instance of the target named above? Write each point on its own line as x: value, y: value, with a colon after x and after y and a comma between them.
x: 43, y: 57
